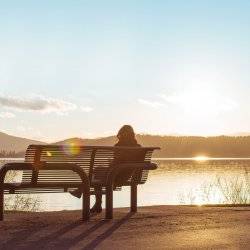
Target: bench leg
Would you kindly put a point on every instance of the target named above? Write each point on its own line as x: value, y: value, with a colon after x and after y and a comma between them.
x: 85, y: 206
x: 133, y: 198
x: 1, y: 203
x: 109, y: 202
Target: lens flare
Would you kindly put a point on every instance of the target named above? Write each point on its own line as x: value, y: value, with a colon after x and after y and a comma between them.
x: 72, y: 148
x: 49, y: 154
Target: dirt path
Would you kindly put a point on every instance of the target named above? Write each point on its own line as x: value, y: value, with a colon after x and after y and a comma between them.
x: 161, y: 227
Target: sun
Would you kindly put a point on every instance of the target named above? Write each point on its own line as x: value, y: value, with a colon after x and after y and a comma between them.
x: 201, y: 158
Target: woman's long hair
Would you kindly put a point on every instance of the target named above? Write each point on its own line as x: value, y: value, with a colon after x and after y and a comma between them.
x: 126, y: 136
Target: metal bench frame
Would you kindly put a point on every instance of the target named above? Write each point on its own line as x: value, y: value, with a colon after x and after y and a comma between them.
x: 86, y: 182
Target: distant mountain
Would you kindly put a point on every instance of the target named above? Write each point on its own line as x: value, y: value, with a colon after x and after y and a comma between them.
x: 12, y: 143
x: 145, y: 140
x: 102, y: 141
x: 182, y: 146
x: 171, y: 146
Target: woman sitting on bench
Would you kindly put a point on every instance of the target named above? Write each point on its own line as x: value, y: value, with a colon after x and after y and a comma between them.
x: 126, y: 138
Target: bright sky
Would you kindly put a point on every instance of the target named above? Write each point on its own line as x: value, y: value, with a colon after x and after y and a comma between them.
x: 84, y: 68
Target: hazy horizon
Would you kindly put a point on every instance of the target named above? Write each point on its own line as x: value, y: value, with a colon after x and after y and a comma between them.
x: 85, y: 68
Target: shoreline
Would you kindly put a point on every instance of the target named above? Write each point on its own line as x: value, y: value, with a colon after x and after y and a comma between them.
x: 153, y: 227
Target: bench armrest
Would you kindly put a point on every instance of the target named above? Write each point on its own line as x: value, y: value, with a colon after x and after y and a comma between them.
x: 43, y: 166
x: 16, y: 166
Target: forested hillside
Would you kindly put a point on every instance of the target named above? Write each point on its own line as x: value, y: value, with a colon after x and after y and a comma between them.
x: 171, y: 146
x: 185, y: 146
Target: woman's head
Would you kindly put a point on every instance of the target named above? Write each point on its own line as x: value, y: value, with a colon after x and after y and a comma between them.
x: 126, y: 133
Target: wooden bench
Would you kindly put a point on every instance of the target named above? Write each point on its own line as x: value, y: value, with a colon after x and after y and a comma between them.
x: 64, y: 168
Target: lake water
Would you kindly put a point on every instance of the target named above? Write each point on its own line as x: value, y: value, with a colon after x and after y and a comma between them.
x: 176, y: 181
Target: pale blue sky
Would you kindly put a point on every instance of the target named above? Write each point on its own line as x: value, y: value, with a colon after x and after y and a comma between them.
x: 84, y: 68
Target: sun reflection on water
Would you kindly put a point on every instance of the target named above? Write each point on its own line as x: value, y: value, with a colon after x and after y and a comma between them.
x: 201, y: 158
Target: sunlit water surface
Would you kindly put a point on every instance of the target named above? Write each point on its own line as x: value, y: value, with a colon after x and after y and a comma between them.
x: 176, y: 181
